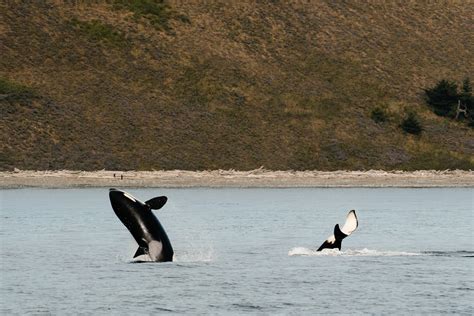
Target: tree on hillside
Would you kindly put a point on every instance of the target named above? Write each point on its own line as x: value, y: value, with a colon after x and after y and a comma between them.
x: 467, y: 99
x: 443, y: 97
x: 411, y: 124
x: 379, y: 115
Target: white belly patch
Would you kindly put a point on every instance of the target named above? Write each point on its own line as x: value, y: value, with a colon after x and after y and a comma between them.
x: 154, y: 249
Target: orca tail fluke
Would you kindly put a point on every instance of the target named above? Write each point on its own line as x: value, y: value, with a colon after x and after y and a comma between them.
x: 351, y: 223
x: 335, y: 240
x: 327, y: 244
x: 338, y: 234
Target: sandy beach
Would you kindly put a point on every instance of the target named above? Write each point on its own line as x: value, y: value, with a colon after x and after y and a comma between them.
x: 232, y: 178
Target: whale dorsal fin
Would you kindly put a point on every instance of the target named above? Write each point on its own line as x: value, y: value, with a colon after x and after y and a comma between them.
x: 157, y: 202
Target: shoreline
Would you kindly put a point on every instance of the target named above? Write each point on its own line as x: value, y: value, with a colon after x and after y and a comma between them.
x: 259, y: 178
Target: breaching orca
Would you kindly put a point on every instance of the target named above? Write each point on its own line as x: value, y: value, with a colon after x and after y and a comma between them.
x: 335, y: 240
x: 143, y: 224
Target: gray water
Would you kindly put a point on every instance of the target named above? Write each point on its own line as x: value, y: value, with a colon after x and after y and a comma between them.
x: 240, y: 251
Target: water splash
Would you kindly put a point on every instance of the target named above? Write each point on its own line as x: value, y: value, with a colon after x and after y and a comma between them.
x: 302, y: 251
x: 142, y: 258
x: 203, y: 255
x: 195, y: 255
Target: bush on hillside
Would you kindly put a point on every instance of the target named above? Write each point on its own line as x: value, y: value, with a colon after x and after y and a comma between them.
x: 379, y: 115
x: 443, y: 97
x: 411, y: 124
x: 14, y: 90
x: 445, y: 100
x: 99, y: 32
x: 157, y: 12
x: 467, y: 99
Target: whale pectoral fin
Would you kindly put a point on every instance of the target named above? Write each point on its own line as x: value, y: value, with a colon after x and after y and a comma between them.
x: 140, y: 251
x: 157, y: 202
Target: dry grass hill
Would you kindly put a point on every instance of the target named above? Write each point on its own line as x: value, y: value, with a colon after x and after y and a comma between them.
x: 142, y: 85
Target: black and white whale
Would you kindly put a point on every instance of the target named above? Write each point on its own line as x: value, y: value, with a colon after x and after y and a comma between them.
x: 143, y: 224
x: 335, y: 240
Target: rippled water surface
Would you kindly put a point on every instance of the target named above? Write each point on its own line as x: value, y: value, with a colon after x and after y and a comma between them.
x: 238, y: 251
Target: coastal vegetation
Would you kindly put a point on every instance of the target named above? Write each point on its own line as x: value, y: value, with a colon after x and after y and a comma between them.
x: 379, y: 115
x: 12, y: 91
x: 411, y: 124
x: 447, y: 100
x: 157, y: 13
x: 143, y: 85
x: 97, y: 31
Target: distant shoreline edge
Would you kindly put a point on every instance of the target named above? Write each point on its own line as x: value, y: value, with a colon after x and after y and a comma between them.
x: 259, y: 178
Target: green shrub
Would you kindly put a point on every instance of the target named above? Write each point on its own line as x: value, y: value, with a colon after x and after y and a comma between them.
x: 14, y: 90
x: 157, y: 12
x: 467, y: 99
x: 443, y: 97
x: 100, y: 32
x: 411, y: 124
x: 379, y: 115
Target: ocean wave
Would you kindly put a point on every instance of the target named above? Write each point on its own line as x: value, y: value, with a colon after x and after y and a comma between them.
x: 454, y: 253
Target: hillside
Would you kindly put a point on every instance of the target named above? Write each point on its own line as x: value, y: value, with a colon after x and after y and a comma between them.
x: 211, y: 85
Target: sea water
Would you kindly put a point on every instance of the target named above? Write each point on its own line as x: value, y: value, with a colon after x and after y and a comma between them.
x: 240, y: 251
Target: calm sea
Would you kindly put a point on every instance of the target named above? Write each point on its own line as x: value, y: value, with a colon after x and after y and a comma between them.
x: 240, y: 251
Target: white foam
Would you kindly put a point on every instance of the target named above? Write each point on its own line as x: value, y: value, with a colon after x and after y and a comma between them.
x: 203, y: 255
x: 371, y: 252
x: 302, y: 251
x: 142, y: 258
